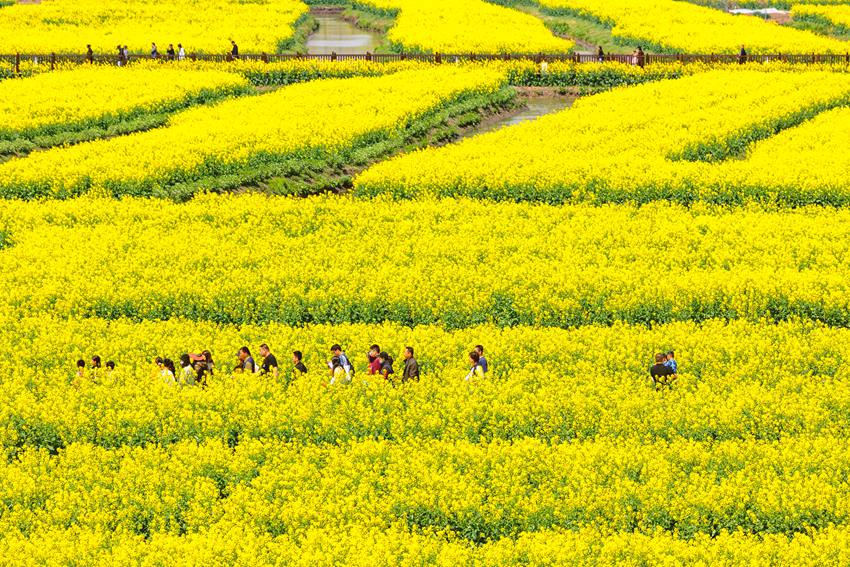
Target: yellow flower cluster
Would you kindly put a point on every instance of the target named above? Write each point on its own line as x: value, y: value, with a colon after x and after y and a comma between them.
x: 666, y: 140
x: 239, y: 544
x: 67, y: 26
x: 318, y: 116
x: 85, y: 96
x: 467, y: 26
x: 836, y: 15
x: 451, y: 262
x: 472, y: 493
x: 673, y: 25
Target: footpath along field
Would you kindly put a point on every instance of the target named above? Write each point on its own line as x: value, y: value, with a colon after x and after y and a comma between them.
x: 700, y: 211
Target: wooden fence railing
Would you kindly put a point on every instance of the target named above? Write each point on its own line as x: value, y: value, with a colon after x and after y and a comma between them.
x: 55, y: 59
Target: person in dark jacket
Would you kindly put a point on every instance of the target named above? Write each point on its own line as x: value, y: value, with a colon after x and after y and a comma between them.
x: 411, y: 367
x: 234, y: 51
x: 386, y: 365
x: 742, y: 56
x: 662, y: 375
x: 600, y: 55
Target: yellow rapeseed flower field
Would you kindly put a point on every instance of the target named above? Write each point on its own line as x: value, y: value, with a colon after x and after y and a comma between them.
x: 684, y: 214
x: 67, y: 26
x: 695, y: 138
x: 85, y: 96
x: 838, y: 16
x: 683, y: 27
x: 467, y: 26
x: 564, y: 440
x: 318, y: 116
x: 422, y: 262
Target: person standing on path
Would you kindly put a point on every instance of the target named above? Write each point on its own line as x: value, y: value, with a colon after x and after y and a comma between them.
x: 154, y: 51
x: 234, y: 51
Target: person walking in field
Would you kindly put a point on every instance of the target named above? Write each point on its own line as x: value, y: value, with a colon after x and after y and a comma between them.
x: 386, y: 365
x: 411, y: 367
x: 126, y: 55
x: 269, y: 365
x: 169, y: 372
x: 600, y: 55
x: 120, y: 56
x: 742, y: 56
x: 670, y: 361
x: 170, y: 52
x: 640, y: 57
x: 234, y: 50
x: 662, y: 375
x: 89, y: 54
x: 337, y: 352
x: 204, y: 366
x: 154, y: 51
x: 95, y: 367
x: 80, y: 375
x: 337, y: 372
x: 246, y: 361
x: 298, y: 367
x: 181, y: 53
x: 482, y: 360
x: 476, y: 372
x: 374, y: 361
x: 187, y: 373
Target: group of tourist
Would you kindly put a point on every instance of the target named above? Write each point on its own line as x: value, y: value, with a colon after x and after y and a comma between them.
x: 195, y: 369
x: 171, y: 54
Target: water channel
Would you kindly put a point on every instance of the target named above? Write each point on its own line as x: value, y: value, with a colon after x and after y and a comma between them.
x: 533, y: 107
x: 336, y: 35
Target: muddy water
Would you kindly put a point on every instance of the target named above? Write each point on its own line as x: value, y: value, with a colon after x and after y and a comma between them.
x: 533, y: 107
x: 335, y: 35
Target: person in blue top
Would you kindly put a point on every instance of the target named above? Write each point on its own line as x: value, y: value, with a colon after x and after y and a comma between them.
x: 482, y: 360
x: 337, y: 352
x: 671, y: 362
